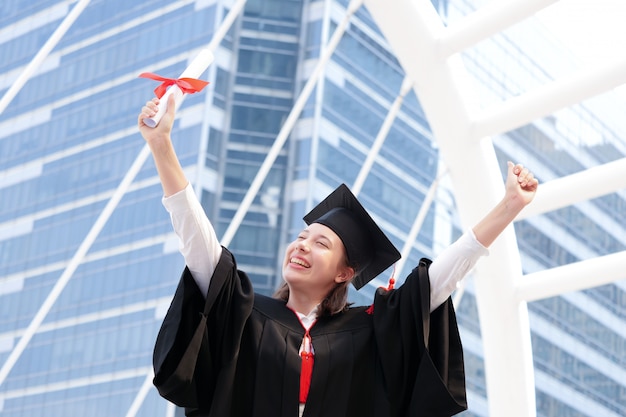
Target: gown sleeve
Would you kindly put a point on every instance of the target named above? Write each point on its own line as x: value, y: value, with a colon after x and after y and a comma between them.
x: 420, y: 353
x: 196, y: 349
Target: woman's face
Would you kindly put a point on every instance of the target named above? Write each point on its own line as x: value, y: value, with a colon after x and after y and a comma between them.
x: 316, y: 260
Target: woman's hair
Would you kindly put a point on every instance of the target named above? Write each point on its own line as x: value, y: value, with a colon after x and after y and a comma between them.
x: 336, y: 301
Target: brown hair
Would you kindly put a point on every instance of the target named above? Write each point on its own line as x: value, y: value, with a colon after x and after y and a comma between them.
x: 335, y: 302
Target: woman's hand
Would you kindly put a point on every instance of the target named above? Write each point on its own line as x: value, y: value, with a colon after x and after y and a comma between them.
x: 161, y: 132
x: 521, y: 184
x: 521, y: 187
x: 159, y: 140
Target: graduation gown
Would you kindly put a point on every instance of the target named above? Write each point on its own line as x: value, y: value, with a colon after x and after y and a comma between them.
x: 235, y: 353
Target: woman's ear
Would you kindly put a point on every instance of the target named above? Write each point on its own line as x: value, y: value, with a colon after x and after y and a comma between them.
x: 346, y: 274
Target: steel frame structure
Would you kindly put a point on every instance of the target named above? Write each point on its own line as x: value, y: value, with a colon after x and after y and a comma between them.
x: 412, y: 27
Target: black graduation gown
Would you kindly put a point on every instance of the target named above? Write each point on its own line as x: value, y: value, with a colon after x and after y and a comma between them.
x: 236, y: 354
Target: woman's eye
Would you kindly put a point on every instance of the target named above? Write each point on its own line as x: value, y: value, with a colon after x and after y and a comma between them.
x: 323, y: 244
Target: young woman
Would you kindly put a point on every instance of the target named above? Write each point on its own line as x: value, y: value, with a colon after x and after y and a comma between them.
x: 225, y: 351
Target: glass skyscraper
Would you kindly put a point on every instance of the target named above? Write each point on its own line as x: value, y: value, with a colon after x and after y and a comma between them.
x: 69, y: 137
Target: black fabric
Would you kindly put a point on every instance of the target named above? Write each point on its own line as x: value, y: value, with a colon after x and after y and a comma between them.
x: 237, y: 354
x: 365, y: 242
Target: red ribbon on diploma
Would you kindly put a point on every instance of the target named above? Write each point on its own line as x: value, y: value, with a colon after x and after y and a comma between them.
x: 187, y: 85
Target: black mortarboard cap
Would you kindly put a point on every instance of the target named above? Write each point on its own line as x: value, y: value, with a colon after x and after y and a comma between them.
x: 365, y: 243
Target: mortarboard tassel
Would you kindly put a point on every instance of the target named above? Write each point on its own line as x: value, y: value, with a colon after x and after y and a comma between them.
x: 306, y: 370
x: 392, y: 283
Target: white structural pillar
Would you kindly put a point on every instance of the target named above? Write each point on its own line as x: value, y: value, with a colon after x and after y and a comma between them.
x: 424, y: 48
x: 417, y: 37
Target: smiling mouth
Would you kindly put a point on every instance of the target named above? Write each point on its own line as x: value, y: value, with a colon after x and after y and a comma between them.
x: 299, y: 262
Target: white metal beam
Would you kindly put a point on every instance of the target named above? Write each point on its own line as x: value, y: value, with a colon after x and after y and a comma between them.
x: 74, y: 263
x: 547, y: 99
x: 42, y: 54
x: 585, y: 185
x: 141, y: 394
x: 417, y: 223
x: 381, y: 136
x: 485, y: 22
x: 412, y: 27
x: 572, y: 277
x: 216, y: 40
x: 414, y: 30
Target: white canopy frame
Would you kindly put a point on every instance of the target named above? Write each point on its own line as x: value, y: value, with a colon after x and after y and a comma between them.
x: 413, y: 28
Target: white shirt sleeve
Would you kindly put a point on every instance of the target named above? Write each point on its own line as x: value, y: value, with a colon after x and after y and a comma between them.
x: 451, y: 265
x: 198, y: 243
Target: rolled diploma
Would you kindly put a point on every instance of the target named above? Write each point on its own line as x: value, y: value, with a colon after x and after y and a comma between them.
x: 194, y: 70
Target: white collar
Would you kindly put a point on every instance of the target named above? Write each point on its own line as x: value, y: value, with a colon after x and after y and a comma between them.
x: 307, y: 320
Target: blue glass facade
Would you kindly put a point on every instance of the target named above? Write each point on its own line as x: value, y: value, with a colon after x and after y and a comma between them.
x: 69, y: 137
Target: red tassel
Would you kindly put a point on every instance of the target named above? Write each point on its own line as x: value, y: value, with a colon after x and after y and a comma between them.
x: 392, y: 283
x: 305, y: 375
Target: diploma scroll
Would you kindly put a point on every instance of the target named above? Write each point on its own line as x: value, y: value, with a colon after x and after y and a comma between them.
x: 194, y: 70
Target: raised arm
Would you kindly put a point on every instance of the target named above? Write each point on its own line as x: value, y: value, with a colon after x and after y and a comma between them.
x: 453, y: 263
x: 199, y: 244
x: 159, y: 140
x: 521, y: 186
